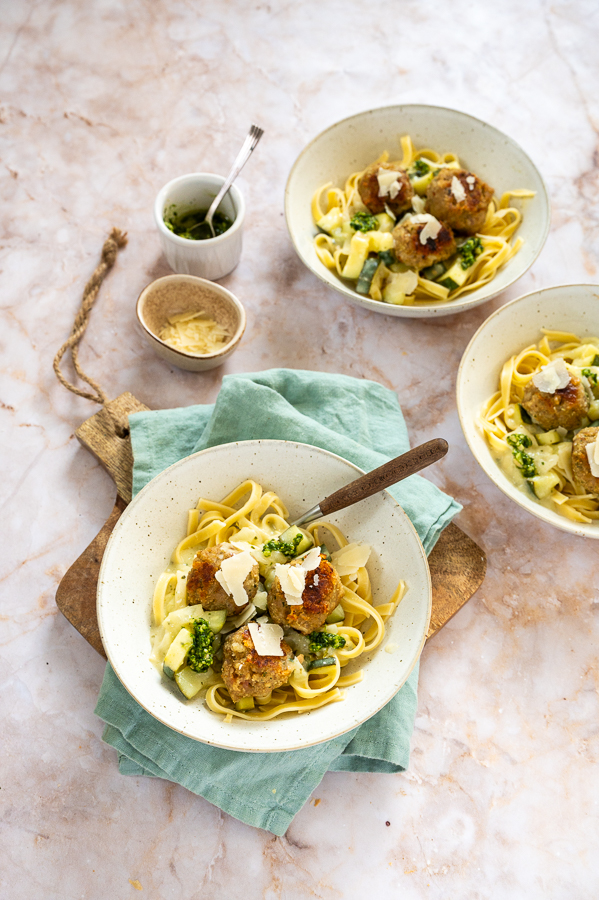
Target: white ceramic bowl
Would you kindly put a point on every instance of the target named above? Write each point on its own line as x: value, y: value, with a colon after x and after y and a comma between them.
x: 215, y: 257
x: 155, y: 521
x: 350, y: 145
x: 175, y: 294
x: 568, y: 307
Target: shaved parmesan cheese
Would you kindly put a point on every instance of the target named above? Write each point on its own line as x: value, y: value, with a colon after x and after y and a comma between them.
x: 457, y: 189
x: 293, y: 581
x: 241, y: 545
x: 552, y: 377
x: 390, y: 212
x: 316, y: 580
x: 405, y: 281
x: 471, y: 181
x: 312, y: 559
x: 389, y: 186
x: 593, y: 458
x: 232, y: 573
x: 349, y: 559
x: 418, y: 204
x: 431, y: 229
x: 266, y: 638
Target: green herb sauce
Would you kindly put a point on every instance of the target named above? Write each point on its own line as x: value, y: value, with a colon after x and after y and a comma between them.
x: 191, y: 224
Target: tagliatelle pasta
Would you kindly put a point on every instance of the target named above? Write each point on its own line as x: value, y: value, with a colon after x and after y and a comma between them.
x: 366, y: 258
x: 252, y: 517
x: 539, y: 458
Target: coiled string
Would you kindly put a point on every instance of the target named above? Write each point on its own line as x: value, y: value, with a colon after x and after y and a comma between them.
x: 115, y: 242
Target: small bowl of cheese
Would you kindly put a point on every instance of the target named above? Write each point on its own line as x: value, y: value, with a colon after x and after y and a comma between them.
x: 191, y: 323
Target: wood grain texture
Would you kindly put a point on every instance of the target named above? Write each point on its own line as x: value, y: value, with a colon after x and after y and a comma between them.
x: 458, y: 567
x: 98, y: 435
x: 389, y: 473
x: 76, y: 594
x: 457, y: 564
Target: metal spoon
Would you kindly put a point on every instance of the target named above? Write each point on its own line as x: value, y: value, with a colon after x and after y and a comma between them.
x: 244, y: 154
x: 390, y: 473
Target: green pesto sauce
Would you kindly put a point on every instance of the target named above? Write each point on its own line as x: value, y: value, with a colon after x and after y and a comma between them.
x: 182, y: 223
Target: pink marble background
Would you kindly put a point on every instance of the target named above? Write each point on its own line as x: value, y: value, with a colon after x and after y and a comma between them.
x: 100, y: 104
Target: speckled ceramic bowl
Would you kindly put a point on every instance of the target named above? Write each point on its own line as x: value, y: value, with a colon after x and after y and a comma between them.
x: 568, y: 307
x: 155, y: 521
x: 183, y: 293
x: 354, y: 143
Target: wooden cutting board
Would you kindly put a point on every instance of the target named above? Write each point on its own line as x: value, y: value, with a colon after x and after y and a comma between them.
x: 457, y: 564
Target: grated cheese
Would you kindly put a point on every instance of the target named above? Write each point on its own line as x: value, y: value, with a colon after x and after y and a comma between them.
x: 232, y: 573
x: 350, y: 558
x: 552, y: 377
x: 431, y: 229
x: 266, y: 638
x: 389, y: 185
x: 593, y: 458
x: 194, y: 332
x: 457, y: 189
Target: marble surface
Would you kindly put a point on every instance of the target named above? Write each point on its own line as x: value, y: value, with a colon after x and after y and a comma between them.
x: 100, y: 104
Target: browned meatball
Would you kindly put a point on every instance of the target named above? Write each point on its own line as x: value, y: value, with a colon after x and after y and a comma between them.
x: 320, y: 597
x: 368, y: 188
x: 246, y: 673
x: 410, y: 250
x: 580, y: 461
x: 466, y: 216
x: 202, y: 586
x: 566, y: 407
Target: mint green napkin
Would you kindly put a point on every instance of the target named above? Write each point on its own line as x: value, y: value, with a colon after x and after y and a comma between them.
x: 360, y: 421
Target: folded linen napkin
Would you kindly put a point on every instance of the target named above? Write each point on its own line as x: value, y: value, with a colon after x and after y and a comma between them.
x: 360, y: 421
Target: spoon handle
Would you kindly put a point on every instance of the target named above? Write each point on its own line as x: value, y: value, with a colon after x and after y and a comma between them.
x: 390, y: 473
x: 252, y: 138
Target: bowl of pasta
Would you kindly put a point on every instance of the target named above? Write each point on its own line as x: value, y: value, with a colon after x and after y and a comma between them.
x: 528, y: 401
x: 416, y: 211
x: 236, y: 628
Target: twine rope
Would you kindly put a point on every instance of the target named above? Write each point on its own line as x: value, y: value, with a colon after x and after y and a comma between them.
x: 115, y: 242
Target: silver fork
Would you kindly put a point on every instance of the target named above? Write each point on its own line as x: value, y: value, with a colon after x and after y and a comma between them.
x: 244, y: 154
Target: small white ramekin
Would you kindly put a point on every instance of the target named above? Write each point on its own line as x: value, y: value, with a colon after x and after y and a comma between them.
x: 215, y: 257
x: 174, y: 294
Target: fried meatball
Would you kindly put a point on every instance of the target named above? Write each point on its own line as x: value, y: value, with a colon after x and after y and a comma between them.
x: 202, y: 586
x: 410, y: 250
x: 320, y: 597
x: 566, y: 407
x: 466, y: 216
x: 580, y: 461
x: 368, y: 188
x: 246, y: 673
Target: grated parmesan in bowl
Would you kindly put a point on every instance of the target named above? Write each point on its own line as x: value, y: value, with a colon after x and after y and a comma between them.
x: 191, y: 323
x: 194, y: 332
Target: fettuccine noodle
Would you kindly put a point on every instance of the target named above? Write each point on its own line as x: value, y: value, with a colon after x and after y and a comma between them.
x: 253, y: 515
x: 502, y: 416
x: 343, y: 250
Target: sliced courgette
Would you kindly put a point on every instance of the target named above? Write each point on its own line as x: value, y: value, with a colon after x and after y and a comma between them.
x: 190, y: 683
x: 177, y: 652
x: 456, y: 274
x: 549, y: 437
x: 215, y: 618
x: 366, y: 275
x: 244, y: 704
x: 321, y: 663
x: 542, y: 485
x: 292, y: 532
x: 387, y: 257
x: 338, y: 615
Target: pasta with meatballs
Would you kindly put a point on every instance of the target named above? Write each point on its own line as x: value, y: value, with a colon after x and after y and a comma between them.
x: 417, y: 230
x: 542, y: 424
x: 260, y: 615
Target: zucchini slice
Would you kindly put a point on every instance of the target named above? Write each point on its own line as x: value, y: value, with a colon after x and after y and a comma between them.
x: 191, y: 683
x: 177, y: 653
